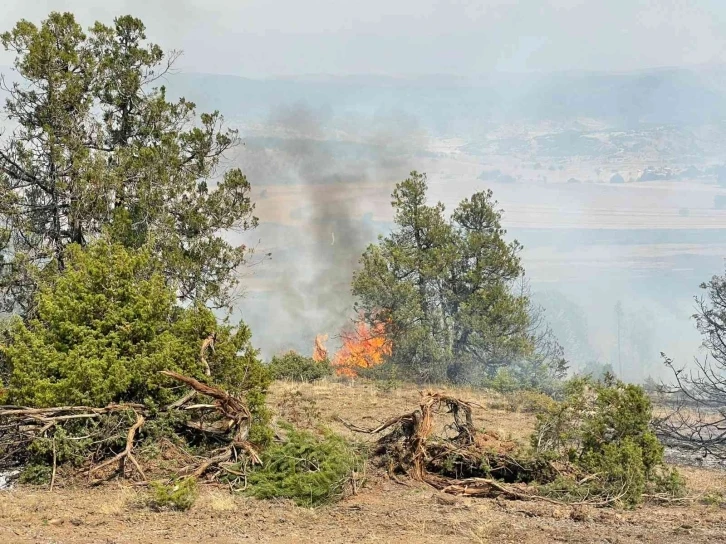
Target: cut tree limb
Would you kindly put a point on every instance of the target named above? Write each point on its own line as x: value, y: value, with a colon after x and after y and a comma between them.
x: 52, y: 477
x: 226, y: 416
x: 126, y: 453
x: 229, y: 405
x: 234, y: 409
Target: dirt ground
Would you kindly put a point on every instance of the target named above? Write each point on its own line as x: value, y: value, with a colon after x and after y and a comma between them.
x: 382, y: 511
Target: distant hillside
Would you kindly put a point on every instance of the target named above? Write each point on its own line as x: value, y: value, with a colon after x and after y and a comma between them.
x: 681, y: 96
x: 444, y: 103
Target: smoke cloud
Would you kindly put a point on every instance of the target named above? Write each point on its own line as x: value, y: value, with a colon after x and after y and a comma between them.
x: 331, y: 170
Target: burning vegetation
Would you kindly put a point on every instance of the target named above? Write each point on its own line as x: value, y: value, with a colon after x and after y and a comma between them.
x: 320, y: 352
x: 363, y: 347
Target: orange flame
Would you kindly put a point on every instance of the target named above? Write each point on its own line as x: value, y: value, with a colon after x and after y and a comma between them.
x: 364, y: 347
x: 320, y: 352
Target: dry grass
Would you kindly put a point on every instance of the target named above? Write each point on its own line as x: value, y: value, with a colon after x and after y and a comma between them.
x: 216, y: 500
x: 367, y: 405
x: 118, y: 501
x: 702, y: 482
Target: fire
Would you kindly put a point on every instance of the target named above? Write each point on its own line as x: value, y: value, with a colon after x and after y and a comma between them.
x: 363, y: 347
x: 320, y: 352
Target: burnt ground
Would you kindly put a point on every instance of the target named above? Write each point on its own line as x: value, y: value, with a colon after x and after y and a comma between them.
x: 381, y: 511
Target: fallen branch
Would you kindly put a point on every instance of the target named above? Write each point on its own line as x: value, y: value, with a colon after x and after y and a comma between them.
x: 414, y: 429
x: 254, y: 456
x: 226, y: 418
x: 61, y: 413
x: 382, y: 427
x: 126, y: 453
x: 238, y: 416
x: 453, y: 465
x: 486, y: 487
x: 230, y: 406
x: 182, y: 401
x: 222, y: 457
x: 52, y: 477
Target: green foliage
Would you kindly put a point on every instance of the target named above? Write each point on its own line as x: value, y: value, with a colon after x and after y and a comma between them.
x: 260, y: 432
x: 114, y: 209
x: 386, y: 376
x: 621, y: 466
x: 99, y: 146
x: 446, y: 290
x: 604, y: 428
x: 161, y: 426
x: 104, y: 328
x: 668, y: 481
x: 65, y: 445
x: 297, y: 367
x: 36, y: 474
x: 713, y: 498
x: 388, y: 385
x: 306, y: 468
x: 178, y: 495
x: 536, y: 373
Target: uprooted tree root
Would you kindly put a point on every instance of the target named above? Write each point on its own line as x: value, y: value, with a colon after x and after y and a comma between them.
x: 225, y: 422
x: 468, y: 461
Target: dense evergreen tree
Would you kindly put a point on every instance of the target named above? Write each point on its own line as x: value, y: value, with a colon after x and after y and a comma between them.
x: 96, y: 144
x: 447, y: 291
x: 106, y: 325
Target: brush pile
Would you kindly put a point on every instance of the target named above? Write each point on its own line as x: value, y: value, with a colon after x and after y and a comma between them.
x: 131, y: 440
x: 463, y: 460
x: 460, y: 459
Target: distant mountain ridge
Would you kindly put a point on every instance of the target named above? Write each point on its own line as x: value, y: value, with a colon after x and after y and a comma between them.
x: 680, y: 96
x: 673, y: 96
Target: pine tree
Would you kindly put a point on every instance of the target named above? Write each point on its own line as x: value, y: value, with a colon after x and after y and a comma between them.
x: 97, y: 146
x: 445, y: 290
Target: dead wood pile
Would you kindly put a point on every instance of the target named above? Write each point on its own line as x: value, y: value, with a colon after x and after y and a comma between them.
x: 221, y: 422
x: 461, y: 460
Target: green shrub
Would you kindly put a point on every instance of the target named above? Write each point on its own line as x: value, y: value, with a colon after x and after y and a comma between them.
x: 36, y: 474
x: 386, y: 376
x: 178, y: 495
x: 534, y: 374
x: 309, y: 469
x: 99, y: 333
x: 597, y: 371
x: 668, y: 481
x: 297, y: 367
x: 713, y: 498
x: 604, y: 428
x: 103, y: 329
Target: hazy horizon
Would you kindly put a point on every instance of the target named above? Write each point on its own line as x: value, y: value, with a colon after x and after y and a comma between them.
x: 259, y: 38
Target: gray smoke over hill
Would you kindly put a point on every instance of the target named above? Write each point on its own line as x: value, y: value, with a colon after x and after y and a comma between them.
x: 326, y: 161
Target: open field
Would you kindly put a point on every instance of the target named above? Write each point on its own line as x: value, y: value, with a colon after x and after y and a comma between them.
x: 381, y: 511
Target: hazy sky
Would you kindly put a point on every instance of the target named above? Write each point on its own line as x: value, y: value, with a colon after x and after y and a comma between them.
x: 258, y: 38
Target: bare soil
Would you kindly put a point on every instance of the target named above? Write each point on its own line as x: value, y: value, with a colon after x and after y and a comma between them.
x: 381, y: 511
